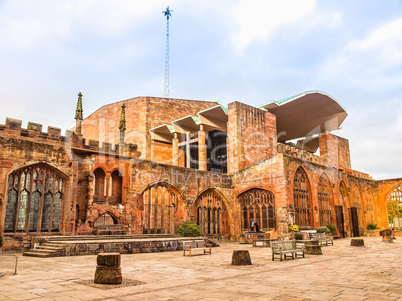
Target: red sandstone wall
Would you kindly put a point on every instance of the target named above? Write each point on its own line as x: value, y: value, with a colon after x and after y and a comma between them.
x: 251, y: 136
x: 335, y: 149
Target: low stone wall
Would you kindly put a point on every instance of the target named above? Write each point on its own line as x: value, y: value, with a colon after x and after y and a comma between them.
x: 16, y: 242
x: 124, y: 246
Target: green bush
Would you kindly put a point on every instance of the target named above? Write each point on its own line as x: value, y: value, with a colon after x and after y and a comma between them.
x: 372, y: 226
x: 1, y: 241
x: 298, y: 236
x: 331, y: 228
x: 189, y: 229
x: 323, y: 230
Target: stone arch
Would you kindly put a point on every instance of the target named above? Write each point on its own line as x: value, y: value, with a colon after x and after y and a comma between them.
x: 100, y: 184
x: 325, y: 200
x: 116, y: 179
x: 257, y: 204
x: 342, y: 210
x: 302, y: 200
x: 356, y: 211
x: 106, y: 218
x: 394, y: 206
x: 163, y: 208
x: 211, y: 213
x: 35, y: 198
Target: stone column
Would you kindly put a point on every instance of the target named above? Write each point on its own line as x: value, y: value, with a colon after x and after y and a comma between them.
x: 108, y: 270
x: 202, y: 150
x: 188, y: 158
x: 175, y: 150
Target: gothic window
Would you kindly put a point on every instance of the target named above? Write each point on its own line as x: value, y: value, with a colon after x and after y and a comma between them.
x: 301, y: 195
x: 117, y: 185
x: 394, y: 207
x: 35, y: 195
x: 324, y: 201
x: 257, y: 204
x: 160, y: 205
x: 100, y: 186
x: 209, y: 208
x: 105, y: 219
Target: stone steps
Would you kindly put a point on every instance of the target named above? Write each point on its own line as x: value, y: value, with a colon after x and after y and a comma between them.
x: 47, y: 250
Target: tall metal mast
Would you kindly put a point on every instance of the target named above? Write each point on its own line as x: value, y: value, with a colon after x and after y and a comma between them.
x: 167, y: 14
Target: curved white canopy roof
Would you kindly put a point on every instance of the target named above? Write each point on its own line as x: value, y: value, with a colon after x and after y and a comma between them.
x: 306, y: 114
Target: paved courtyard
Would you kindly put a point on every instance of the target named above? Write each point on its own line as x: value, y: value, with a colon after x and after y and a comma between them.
x: 373, y: 272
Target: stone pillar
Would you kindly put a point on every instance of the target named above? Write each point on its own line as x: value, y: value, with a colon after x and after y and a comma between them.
x: 202, y: 150
x: 108, y: 270
x: 175, y: 150
x: 188, y: 159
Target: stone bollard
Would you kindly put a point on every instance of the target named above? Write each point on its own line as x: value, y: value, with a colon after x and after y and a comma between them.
x: 357, y: 242
x: 387, y: 235
x: 241, y: 257
x: 108, y: 270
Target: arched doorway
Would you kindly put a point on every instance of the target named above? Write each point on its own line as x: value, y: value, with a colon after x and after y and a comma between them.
x: 210, y: 213
x: 394, y: 207
x: 35, y: 196
x: 257, y: 204
x: 324, y: 201
x: 163, y: 209
x: 356, y: 215
x: 341, y: 212
x: 302, y: 199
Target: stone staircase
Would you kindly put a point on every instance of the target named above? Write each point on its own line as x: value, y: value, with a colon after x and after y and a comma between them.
x: 47, y: 249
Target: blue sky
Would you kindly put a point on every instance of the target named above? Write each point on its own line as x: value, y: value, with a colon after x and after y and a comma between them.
x: 251, y: 51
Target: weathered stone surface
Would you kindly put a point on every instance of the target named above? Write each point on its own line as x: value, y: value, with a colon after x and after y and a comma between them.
x: 313, y: 250
x: 357, y: 242
x: 241, y: 257
x: 109, y: 259
x: 108, y: 270
x: 388, y: 239
x: 386, y: 232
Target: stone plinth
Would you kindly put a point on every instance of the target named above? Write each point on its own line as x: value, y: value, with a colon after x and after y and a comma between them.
x: 241, y: 257
x: 249, y: 237
x: 263, y: 243
x: 311, y: 247
x: 108, y: 270
x: 388, y: 239
x: 357, y: 242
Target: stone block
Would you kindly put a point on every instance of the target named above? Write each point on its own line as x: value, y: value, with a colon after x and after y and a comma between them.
x: 54, y: 132
x: 357, y: 242
x: 13, y: 124
x: 32, y: 126
x: 108, y: 259
x: 108, y: 270
x: 241, y: 257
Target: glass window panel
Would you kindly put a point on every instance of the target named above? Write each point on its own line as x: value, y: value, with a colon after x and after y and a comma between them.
x: 35, y: 206
x: 28, y: 182
x: 47, y: 203
x: 56, y: 212
x: 10, y: 182
x: 10, y: 211
x: 22, y: 183
x: 22, y: 210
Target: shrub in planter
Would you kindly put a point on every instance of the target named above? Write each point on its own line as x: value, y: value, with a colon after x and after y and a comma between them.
x: 372, y: 226
x: 189, y: 229
x: 331, y: 228
x: 298, y: 236
x: 323, y: 230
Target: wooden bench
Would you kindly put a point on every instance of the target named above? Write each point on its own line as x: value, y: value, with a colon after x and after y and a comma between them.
x: 191, y: 245
x: 324, y: 239
x: 286, y: 248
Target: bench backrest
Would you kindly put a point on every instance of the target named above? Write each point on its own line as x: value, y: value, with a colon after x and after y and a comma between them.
x: 194, y: 243
x: 319, y: 236
x: 285, y: 245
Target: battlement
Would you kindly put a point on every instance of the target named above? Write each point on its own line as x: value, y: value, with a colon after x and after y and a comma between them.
x: 301, y: 154
x: 13, y: 128
x: 34, y: 130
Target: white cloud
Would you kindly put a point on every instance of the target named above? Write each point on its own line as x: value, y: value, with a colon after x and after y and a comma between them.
x: 258, y: 18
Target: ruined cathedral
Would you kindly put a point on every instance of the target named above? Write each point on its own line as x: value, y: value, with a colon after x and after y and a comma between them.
x: 145, y: 165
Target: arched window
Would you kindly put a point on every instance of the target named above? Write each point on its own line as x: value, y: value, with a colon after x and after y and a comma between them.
x: 35, y: 195
x: 257, y: 204
x: 324, y: 201
x: 301, y: 196
x: 394, y: 207
x: 105, y: 219
x: 160, y: 205
x: 209, y: 209
x: 100, y: 186
x: 117, y: 185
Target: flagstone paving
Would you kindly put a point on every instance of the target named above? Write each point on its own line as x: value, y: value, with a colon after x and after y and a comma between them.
x: 343, y: 272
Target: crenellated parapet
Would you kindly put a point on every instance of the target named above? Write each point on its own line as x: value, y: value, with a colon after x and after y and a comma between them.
x: 13, y: 129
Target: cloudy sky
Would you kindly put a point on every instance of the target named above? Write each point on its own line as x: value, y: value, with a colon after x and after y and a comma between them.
x: 252, y: 51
